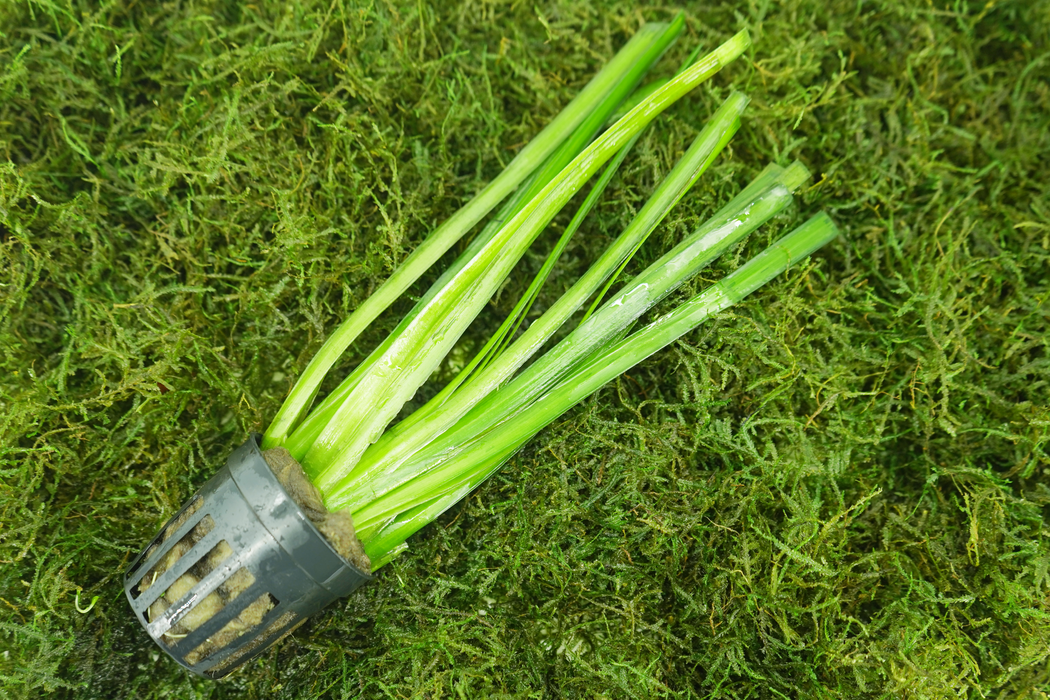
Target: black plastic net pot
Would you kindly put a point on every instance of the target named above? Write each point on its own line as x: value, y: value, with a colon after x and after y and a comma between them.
x: 237, y: 569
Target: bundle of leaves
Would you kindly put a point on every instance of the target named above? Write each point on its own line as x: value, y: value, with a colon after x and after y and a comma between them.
x: 837, y: 488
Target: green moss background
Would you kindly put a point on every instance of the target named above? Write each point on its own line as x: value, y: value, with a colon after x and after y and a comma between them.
x: 839, y: 488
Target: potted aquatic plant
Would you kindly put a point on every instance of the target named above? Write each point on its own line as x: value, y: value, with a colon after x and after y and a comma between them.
x: 308, y: 511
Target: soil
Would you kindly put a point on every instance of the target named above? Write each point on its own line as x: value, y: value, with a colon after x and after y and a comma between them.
x: 337, y: 527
